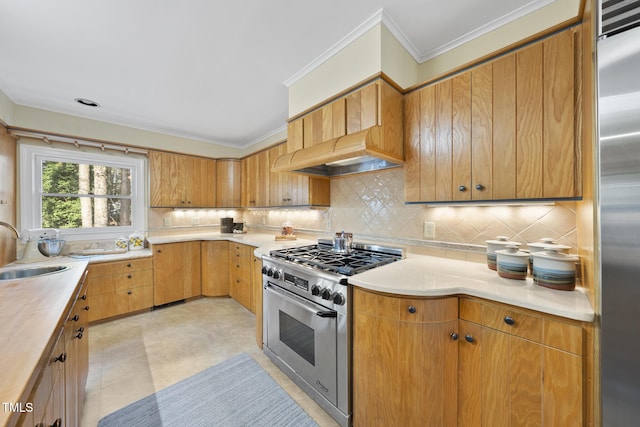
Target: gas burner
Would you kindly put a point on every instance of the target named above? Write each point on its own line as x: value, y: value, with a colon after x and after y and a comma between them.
x: 323, y: 257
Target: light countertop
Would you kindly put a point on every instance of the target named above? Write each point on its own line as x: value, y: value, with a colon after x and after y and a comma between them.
x: 32, y: 311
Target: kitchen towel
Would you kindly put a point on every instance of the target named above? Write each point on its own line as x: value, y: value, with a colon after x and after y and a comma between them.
x: 236, y: 392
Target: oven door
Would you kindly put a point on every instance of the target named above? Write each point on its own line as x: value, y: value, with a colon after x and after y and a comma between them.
x: 303, y: 335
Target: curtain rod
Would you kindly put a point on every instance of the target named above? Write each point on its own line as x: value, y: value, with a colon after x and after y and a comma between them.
x: 75, y: 141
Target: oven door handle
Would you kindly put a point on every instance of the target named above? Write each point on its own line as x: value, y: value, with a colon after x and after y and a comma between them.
x: 294, y: 299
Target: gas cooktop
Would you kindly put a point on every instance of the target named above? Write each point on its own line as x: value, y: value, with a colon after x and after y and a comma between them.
x: 323, y: 257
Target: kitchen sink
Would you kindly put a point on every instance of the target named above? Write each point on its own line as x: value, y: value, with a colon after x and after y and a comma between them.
x: 22, y: 273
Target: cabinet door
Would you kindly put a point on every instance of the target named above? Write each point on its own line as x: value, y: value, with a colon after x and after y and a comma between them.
x: 155, y: 178
x: 176, y: 271
x: 482, y: 132
x: 215, y: 268
x: 261, y: 180
x: 200, y: 186
x: 228, y: 182
x: 402, y: 346
x: 504, y: 128
x: 280, y: 184
x: 362, y: 108
x: 461, y: 136
x: 295, y: 132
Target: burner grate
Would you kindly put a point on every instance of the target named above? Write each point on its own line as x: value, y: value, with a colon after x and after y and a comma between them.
x: 324, y: 258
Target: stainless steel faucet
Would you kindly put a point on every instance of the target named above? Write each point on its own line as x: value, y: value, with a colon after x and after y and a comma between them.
x: 12, y: 228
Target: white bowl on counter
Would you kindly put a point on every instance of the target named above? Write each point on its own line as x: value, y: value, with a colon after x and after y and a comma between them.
x: 554, y: 269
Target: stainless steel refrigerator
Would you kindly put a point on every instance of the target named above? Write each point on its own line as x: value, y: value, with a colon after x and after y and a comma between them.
x: 618, y: 57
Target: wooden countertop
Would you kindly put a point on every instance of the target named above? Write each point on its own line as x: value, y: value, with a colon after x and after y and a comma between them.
x: 32, y: 312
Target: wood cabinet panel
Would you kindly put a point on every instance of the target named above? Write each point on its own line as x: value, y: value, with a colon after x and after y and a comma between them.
x: 509, y: 375
x: 228, y: 183
x: 559, y: 157
x: 412, y: 160
x: 398, y: 342
x: 461, y: 137
x: 443, y: 152
x: 529, y: 107
x: 504, y: 128
x: 176, y: 271
x: 295, y: 135
x: 215, y: 268
x: 177, y: 180
x: 257, y: 297
x: 482, y: 132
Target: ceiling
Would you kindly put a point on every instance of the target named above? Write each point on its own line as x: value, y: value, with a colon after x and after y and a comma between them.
x: 205, y: 69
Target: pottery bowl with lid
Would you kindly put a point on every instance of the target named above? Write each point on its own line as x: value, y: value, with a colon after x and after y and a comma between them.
x: 541, y: 245
x: 512, y: 263
x: 500, y: 242
x: 554, y: 269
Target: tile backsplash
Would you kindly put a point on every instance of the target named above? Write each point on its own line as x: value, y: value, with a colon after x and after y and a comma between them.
x: 372, y: 206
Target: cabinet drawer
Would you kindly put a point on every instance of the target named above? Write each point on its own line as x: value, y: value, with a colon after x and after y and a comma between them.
x: 135, y: 299
x: 117, y: 267
x: 100, y: 284
x: 416, y: 310
x: 563, y: 336
x: 133, y: 279
x: 512, y: 322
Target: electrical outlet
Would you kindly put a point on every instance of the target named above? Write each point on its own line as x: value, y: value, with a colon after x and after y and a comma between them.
x: 429, y: 230
x: 167, y: 221
x: 195, y: 220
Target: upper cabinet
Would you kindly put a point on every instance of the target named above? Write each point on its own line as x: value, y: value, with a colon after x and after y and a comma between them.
x: 504, y: 130
x: 228, y: 183
x: 262, y: 187
x: 180, y: 181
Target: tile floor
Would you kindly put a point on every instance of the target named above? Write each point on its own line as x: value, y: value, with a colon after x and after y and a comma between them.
x: 133, y: 357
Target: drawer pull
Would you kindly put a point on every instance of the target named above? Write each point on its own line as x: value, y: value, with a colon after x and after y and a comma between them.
x: 479, y: 187
x: 129, y: 276
x: 57, y: 423
x: 86, y: 308
x: 509, y: 320
x: 411, y: 309
x: 129, y: 292
x: 79, y: 335
x: 75, y: 318
x: 62, y: 358
x: 469, y: 338
x: 462, y: 188
x: 83, y: 297
x: 454, y: 336
x: 129, y: 265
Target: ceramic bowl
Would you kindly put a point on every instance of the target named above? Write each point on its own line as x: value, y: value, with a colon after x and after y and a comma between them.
x: 554, y: 269
x: 492, y: 246
x: 512, y: 263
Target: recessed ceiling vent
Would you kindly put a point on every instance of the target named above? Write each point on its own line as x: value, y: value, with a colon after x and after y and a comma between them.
x: 618, y: 16
x: 87, y: 102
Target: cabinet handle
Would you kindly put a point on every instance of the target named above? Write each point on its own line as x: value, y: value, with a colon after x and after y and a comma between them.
x: 129, y: 276
x: 509, y: 320
x: 479, y: 187
x: 411, y: 309
x: 57, y: 423
x: 238, y: 281
x: 469, y: 338
x: 454, y: 336
x: 83, y: 297
x: 75, y: 318
x: 158, y: 251
x: 129, y: 265
x: 81, y: 329
x: 129, y: 292
x: 79, y: 335
x: 462, y: 188
x: 62, y: 358
x: 86, y: 308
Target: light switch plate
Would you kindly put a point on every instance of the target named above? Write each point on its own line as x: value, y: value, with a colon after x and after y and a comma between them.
x: 167, y: 222
x: 429, y: 230
x: 195, y: 220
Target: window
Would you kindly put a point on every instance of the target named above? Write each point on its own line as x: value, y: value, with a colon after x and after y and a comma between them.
x: 84, y: 194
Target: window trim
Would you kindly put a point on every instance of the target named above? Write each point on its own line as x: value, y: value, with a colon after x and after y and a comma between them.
x: 31, y: 179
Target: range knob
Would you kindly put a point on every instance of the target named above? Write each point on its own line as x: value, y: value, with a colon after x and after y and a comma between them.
x: 277, y: 274
x: 270, y: 272
x: 326, y: 294
x: 338, y: 298
x: 264, y: 269
x: 315, y: 290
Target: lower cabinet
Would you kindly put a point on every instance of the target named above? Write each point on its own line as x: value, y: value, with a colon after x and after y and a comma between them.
x: 257, y: 299
x: 241, y: 273
x: 58, y: 393
x: 404, y: 360
x: 120, y: 287
x: 215, y: 268
x: 176, y: 271
x: 516, y: 368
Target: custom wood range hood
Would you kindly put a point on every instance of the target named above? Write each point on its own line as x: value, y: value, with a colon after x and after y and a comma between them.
x: 349, y: 154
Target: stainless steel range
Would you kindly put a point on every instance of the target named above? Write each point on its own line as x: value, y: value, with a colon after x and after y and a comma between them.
x: 307, y: 319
